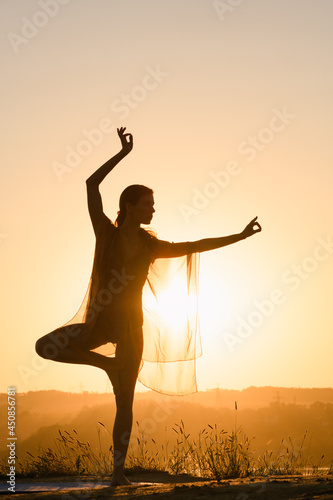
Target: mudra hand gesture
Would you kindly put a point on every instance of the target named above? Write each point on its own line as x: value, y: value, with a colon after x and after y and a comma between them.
x: 127, y: 144
x: 252, y: 228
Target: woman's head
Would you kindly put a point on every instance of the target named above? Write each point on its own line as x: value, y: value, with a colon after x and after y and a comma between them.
x: 138, y: 202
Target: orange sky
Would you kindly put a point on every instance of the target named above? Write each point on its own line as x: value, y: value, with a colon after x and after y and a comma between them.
x: 231, y: 113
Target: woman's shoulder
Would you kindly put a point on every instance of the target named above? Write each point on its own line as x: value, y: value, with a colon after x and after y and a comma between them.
x: 106, y: 228
x: 148, y: 235
x: 149, y: 238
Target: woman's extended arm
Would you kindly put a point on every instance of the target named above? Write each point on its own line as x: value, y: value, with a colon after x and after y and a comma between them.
x: 104, y: 170
x: 166, y: 249
x: 94, y: 197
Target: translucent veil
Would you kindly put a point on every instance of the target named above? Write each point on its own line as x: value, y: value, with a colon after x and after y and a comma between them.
x: 171, y: 326
x: 171, y: 323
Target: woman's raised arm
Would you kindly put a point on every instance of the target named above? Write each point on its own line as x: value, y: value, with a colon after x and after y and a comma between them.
x: 104, y: 170
x: 95, y: 205
x: 166, y: 249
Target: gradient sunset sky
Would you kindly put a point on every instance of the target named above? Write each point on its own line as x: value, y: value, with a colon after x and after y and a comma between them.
x: 230, y: 106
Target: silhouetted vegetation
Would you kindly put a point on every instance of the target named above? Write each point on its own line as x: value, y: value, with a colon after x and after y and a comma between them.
x: 62, y: 433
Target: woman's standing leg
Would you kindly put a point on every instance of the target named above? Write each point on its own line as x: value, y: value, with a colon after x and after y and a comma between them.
x: 122, y: 428
x: 131, y: 354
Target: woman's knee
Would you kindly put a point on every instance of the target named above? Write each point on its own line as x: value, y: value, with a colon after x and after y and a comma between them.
x: 39, y: 347
x: 44, y: 348
x: 49, y: 346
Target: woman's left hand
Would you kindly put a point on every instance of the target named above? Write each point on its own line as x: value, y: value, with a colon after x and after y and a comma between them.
x: 252, y: 228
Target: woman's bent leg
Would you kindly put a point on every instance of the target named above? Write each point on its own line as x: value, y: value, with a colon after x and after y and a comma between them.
x: 72, y: 344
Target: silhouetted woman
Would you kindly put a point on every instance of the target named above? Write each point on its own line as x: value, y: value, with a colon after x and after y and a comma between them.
x: 112, y: 311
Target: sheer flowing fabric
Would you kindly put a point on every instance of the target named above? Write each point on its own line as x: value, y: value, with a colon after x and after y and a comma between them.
x: 171, y: 326
x: 170, y: 316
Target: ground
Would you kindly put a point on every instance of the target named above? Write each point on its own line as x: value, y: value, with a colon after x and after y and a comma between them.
x: 164, y: 486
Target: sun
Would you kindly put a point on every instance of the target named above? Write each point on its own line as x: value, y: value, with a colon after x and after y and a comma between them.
x: 171, y: 317
x: 175, y: 304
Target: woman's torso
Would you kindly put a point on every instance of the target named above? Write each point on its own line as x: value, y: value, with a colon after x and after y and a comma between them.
x: 124, y: 278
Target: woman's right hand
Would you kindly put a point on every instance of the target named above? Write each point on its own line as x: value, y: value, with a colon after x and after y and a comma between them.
x: 126, y: 140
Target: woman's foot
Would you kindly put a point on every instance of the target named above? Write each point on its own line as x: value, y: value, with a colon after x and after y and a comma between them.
x: 119, y: 480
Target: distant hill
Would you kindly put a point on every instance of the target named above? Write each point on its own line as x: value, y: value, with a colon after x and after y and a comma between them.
x: 46, y: 402
x: 267, y: 414
x: 254, y: 397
